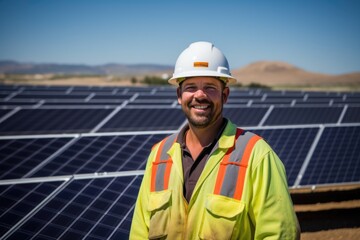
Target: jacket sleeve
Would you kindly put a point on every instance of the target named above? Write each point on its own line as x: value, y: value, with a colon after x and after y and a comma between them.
x: 271, y: 208
x: 141, y: 218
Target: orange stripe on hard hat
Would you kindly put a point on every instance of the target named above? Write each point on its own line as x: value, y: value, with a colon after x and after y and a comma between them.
x: 201, y: 64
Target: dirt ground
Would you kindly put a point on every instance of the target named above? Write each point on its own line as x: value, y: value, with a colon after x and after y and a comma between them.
x: 126, y: 81
x: 331, y: 212
x: 343, y: 233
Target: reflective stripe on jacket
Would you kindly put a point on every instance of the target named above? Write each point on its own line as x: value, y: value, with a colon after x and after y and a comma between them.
x: 263, y: 209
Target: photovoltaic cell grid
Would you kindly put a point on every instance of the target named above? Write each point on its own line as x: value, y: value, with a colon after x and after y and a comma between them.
x: 303, y: 115
x: 3, y: 112
x: 352, y: 115
x: 336, y: 157
x: 291, y: 145
x: 18, y: 157
x: 19, y: 200
x: 37, y: 121
x: 245, y: 116
x: 98, y: 208
x: 101, y: 154
x: 145, y: 119
x: 85, y: 209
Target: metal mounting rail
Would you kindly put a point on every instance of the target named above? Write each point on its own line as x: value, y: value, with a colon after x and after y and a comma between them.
x: 103, y: 122
x: 74, y: 176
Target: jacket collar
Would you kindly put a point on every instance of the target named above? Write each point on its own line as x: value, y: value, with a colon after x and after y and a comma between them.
x: 226, y: 141
x: 227, y: 138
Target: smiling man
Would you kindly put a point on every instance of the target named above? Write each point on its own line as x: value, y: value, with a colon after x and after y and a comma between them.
x: 212, y: 180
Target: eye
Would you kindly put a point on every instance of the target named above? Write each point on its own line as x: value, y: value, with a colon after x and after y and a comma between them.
x: 211, y: 88
x: 190, y: 88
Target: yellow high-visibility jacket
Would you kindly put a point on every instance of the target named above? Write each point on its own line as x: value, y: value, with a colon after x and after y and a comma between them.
x: 265, y: 210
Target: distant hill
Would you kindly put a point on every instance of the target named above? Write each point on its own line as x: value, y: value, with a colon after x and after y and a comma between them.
x: 272, y: 73
x: 269, y: 73
x: 13, y: 67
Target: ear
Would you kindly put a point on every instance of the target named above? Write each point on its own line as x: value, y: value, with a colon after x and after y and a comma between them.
x: 225, y: 94
x: 178, y: 93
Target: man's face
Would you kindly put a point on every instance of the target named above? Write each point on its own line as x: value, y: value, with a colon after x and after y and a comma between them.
x: 202, y: 99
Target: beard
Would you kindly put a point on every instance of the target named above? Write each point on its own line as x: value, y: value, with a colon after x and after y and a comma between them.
x: 202, y: 120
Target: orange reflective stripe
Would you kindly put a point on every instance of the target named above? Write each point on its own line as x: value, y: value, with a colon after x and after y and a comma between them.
x: 155, y: 165
x: 234, y: 166
x: 224, y: 162
x: 243, y: 166
x: 167, y: 174
x: 221, y: 173
x: 161, y: 169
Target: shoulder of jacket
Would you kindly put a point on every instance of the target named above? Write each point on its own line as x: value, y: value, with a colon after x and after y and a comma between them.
x: 173, y: 137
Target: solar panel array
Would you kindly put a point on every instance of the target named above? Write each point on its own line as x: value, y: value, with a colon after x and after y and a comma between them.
x: 72, y: 158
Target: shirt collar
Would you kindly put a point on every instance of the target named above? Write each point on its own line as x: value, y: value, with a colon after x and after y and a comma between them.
x: 181, y: 135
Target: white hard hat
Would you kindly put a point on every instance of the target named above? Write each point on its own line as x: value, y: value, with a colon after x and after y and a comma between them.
x: 201, y: 59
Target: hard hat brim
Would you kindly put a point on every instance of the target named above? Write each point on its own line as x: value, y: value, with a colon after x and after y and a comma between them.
x: 176, y: 79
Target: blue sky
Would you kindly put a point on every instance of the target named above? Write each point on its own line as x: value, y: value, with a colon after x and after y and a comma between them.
x: 319, y: 35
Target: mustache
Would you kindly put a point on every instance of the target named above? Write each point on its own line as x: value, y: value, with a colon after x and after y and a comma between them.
x: 196, y: 102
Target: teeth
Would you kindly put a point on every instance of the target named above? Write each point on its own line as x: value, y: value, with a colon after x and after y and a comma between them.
x: 200, y: 107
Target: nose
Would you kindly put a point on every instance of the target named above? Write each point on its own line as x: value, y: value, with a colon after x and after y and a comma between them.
x: 199, y: 94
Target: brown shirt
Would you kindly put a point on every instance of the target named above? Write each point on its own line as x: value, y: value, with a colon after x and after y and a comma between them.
x: 192, y: 168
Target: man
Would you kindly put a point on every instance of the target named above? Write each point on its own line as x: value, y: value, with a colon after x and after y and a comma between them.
x: 211, y: 180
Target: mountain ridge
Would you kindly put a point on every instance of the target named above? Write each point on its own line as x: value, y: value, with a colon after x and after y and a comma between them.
x: 14, y: 67
x: 268, y: 73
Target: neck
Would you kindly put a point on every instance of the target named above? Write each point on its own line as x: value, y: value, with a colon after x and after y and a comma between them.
x: 203, y: 136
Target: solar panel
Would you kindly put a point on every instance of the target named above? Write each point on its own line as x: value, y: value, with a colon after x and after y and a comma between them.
x: 352, y: 115
x: 93, y: 185
x: 291, y: 145
x: 37, y: 121
x: 89, y: 208
x: 116, y: 97
x: 38, y: 96
x: 20, y: 156
x: 303, y: 115
x: 4, y: 95
x: 19, y: 200
x: 12, y: 103
x: 89, y: 104
x: 245, y: 116
x: 3, y: 112
x: 133, y: 119
x: 171, y: 96
x: 336, y: 158
x: 101, y: 154
x: 168, y: 103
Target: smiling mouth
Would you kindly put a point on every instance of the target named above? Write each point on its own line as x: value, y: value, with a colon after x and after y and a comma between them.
x: 200, y: 107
